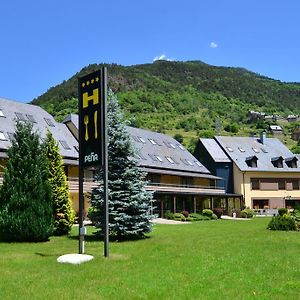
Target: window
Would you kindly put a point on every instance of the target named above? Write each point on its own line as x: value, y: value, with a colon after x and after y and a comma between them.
x: 251, y: 161
x: 198, y: 163
x: 255, y: 150
x: 65, y: 144
x: 264, y: 150
x: 254, y: 184
x: 152, y: 157
x: 142, y: 140
x: 277, y: 162
x: 172, y: 145
x: 291, y: 162
x: 170, y: 159
x: 49, y: 122
x: 2, y: 136
x: 152, y: 141
x: 241, y: 149
x: 1, y: 113
x: 295, y: 184
x: 158, y: 157
x: 20, y: 116
x: 261, y: 204
x: 229, y: 149
x: 281, y: 184
x: 31, y: 118
x: 181, y: 147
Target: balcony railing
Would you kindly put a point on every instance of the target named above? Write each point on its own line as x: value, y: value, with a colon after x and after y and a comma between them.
x: 88, y: 184
x: 73, y: 182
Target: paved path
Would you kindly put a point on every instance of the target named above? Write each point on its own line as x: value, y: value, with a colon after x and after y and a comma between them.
x: 165, y: 221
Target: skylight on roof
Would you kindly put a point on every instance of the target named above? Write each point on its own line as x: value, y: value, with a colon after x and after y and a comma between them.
x: 158, y: 157
x: 49, y: 122
x: 181, y: 147
x: 172, y: 145
x: 170, y: 159
x: 152, y: 141
x: 65, y: 144
x: 31, y: 118
x: 241, y: 149
x: 229, y: 149
x: 2, y: 136
x: 189, y: 162
x: 198, y: 163
x: 255, y: 150
x: 20, y: 116
x: 142, y: 140
x: 264, y: 150
x: 1, y: 113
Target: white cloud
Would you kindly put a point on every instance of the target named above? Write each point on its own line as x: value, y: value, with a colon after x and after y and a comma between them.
x: 213, y: 45
x: 162, y: 57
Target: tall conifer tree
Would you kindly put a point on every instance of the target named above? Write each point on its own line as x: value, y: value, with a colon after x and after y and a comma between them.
x: 64, y: 215
x: 25, y: 197
x: 129, y: 202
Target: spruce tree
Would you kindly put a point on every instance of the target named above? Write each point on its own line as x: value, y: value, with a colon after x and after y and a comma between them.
x: 64, y: 214
x: 129, y: 202
x: 25, y: 197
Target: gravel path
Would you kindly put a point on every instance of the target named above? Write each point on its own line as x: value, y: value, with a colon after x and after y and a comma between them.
x: 165, y: 221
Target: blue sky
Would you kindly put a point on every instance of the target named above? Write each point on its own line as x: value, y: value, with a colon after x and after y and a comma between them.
x: 46, y: 42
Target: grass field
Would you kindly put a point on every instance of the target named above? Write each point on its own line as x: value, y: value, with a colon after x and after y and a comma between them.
x: 203, y: 260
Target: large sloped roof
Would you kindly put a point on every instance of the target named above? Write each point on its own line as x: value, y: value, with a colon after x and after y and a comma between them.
x: 159, y: 151
x: 215, y: 151
x: 12, y: 111
x: 241, y: 148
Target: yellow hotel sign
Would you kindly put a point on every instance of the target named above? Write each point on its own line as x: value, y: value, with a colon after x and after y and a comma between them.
x: 90, y: 119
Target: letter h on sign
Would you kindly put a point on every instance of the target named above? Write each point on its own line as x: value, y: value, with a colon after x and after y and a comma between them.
x: 90, y: 119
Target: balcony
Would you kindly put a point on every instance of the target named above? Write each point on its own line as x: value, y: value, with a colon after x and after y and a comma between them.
x: 73, y: 182
x: 184, y: 189
x: 88, y: 184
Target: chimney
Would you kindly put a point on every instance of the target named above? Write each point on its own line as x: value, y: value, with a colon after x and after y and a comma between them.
x: 263, y: 137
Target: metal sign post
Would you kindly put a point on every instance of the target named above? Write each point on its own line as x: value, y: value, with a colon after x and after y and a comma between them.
x: 92, y: 91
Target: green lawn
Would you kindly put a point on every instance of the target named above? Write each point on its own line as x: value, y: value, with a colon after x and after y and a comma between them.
x: 203, y: 260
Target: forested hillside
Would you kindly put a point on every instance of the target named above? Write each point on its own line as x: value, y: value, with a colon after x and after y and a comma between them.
x: 190, y: 98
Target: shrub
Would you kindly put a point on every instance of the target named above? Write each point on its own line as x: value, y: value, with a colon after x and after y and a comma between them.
x: 207, y: 212
x: 179, y: 217
x: 92, y: 214
x: 214, y: 217
x: 185, y: 213
x: 169, y: 215
x: 285, y: 222
x: 282, y: 211
x: 204, y: 218
x: 218, y: 212
x: 247, y: 213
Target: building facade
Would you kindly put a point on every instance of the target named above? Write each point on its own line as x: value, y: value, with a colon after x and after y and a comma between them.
x: 264, y: 171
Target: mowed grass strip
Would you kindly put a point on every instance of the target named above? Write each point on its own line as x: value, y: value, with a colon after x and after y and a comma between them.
x: 203, y: 260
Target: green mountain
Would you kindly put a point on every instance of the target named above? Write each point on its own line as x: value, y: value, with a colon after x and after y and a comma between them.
x: 188, y: 98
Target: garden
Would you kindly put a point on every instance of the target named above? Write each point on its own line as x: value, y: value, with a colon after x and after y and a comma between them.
x: 204, y: 260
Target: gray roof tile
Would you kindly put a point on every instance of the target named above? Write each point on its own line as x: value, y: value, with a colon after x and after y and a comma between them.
x: 59, y: 131
x: 253, y: 147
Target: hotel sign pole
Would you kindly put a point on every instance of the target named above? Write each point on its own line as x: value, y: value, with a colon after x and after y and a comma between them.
x: 92, y: 94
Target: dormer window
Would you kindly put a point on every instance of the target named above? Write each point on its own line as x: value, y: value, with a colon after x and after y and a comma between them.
x: 277, y: 162
x: 291, y: 162
x: 241, y: 149
x: 251, y: 161
x: 1, y: 113
x: 255, y: 150
x: 229, y: 149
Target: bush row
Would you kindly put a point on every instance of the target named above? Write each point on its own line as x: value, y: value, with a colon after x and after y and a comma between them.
x: 207, y: 214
